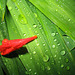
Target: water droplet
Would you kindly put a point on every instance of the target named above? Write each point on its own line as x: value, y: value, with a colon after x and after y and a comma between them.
x: 42, y: 67
x: 10, y: 8
x: 58, y: 61
x: 22, y: 19
x: 37, y: 44
x: 54, y: 55
x: 24, y: 34
x: 48, y: 68
x: 56, y: 33
x: 14, y: 14
x: 68, y: 68
x: 59, y: 58
x: 67, y: 60
x: 53, y: 46
x: 63, y: 52
x: 69, y: 19
x: 13, y: 0
x: 62, y: 66
x: 56, y: 10
x: 30, y: 57
x: 29, y: 69
x: 45, y: 58
x: 67, y: 42
x: 43, y: 44
x: 67, y: 37
x: 58, y: 44
x: 20, y: 0
x: 34, y: 52
x: 35, y: 14
x: 34, y: 26
x: 35, y: 73
x: 58, y: 73
x: 55, y: 39
x: 53, y: 34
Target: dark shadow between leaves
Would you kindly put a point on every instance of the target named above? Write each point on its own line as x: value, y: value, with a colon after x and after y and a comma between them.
x: 14, y: 54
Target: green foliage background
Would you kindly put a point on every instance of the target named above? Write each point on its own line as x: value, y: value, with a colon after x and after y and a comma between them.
x: 53, y: 21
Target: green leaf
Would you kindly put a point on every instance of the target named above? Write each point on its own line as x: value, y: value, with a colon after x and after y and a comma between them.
x: 60, y: 12
x: 48, y: 51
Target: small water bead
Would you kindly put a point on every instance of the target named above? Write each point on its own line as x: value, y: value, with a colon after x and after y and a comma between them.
x: 14, y: 14
x: 58, y: 44
x: 27, y: 72
x: 67, y: 42
x: 29, y: 69
x: 35, y: 14
x: 63, y: 52
x: 45, y: 58
x: 68, y: 68
x: 22, y: 19
x: 13, y: 0
x: 30, y: 57
x: 53, y: 34
x: 46, y: 50
x: 42, y: 67
x: 56, y: 33
x: 24, y: 34
x: 10, y: 8
x: 59, y: 58
x: 34, y: 52
x: 56, y: 10
x: 67, y: 60
x: 20, y: 1
x: 37, y: 44
x: 67, y: 37
x: 55, y: 40
x: 53, y: 46
x: 48, y: 68
x: 37, y: 34
x: 43, y: 44
x: 69, y: 19
x: 35, y: 73
x: 62, y: 66
x: 34, y: 26
x: 58, y: 61
x: 54, y: 55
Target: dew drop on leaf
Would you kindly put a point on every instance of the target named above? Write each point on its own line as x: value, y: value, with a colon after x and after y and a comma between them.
x: 13, y: 0
x: 37, y: 44
x: 55, y: 40
x: 48, y: 68
x: 68, y: 68
x: 69, y: 19
x: 35, y: 73
x: 10, y: 8
x: 54, y: 55
x: 53, y: 34
x: 29, y: 69
x: 43, y: 44
x: 62, y: 66
x: 63, y: 52
x: 53, y: 46
x: 45, y: 58
x: 58, y: 44
x: 34, y: 52
x: 42, y: 67
x: 27, y: 72
x: 67, y: 60
x: 24, y: 34
x: 34, y: 26
x: 35, y: 14
x: 22, y: 19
